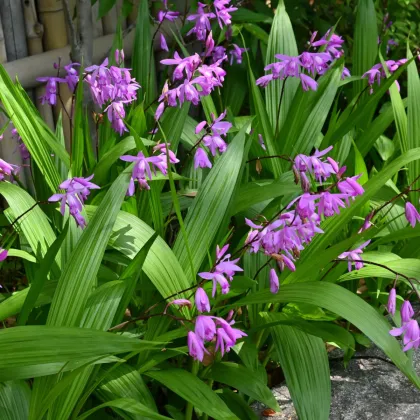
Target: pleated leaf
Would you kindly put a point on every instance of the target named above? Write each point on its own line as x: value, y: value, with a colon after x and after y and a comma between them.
x: 304, y: 361
x: 244, y: 380
x: 193, y: 390
x: 280, y: 41
x: 210, y: 205
x: 33, y: 346
x: 365, y: 47
x: 14, y: 400
x: 413, y: 123
x: 130, y: 234
x: 37, y: 137
x: 79, y: 276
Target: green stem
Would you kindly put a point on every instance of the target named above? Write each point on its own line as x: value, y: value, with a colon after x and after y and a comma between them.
x: 190, y: 407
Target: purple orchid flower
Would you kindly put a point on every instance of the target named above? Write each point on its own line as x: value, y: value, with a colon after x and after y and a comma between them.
x: 354, y: 256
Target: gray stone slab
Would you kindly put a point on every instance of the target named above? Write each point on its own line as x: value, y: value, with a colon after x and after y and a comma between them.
x: 370, y: 388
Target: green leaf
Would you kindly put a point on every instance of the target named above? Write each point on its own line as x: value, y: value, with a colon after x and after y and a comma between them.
x: 210, y: 205
x: 281, y: 41
x: 304, y: 361
x: 244, y: 380
x: 267, y: 130
x: 307, y: 114
x: 143, y: 61
x: 102, y: 168
x: 105, y: 6
x: 259, y: 191
x: 237, y: 405
x: 25, y: 349
x: 193, y: 390
x: 79, y: 275
x: 125, y: 382
x: 131, y: 275
x: 365, y: 47
x: 34, y: 224
x: 130, y: 406
x: 130, y: 234
x: 36, y: 135
x: 413, y: 123
x: 346, y: 304
x: 14, y: 400
x: 41, y: 277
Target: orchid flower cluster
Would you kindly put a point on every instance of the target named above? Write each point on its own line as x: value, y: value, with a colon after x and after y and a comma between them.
x: 212, y: 328
x: 110, y: 86
x: 194, y: 80
x: 409, y: 326
x: 142, y: 166
x: 377, y: 72
x: 286, y: 236
x: 203, y: 15
x: 306, y: 64
x: 76, y: 192
x: 212, y: 139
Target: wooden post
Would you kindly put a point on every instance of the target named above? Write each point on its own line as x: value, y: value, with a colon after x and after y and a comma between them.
x: 51, y: 14
x: 13, y: 42
x: 34, y: 32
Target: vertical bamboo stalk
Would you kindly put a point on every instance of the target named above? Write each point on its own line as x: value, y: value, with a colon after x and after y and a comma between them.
x: 51, y: 15
x: 109, y: 21
x: 34, y: 32
x: 14, y: 44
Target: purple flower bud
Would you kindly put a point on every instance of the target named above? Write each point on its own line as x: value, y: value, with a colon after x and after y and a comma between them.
x: 159, y: 111
x: 261, y: 141
x: 274, y: 281
x: 202, y: 300
x: 392, y: 301
x: 179, y: 302
x: 411, y: 214
x: 163, y: 44
x: 200, y: 126
x: 3, y: 254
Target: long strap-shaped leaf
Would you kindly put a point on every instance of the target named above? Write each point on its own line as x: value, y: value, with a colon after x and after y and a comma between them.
x: 346, y: 304
x: 209, y: 207
x: 304, y: 361
x: 413, y: 122
x: 14, y: 400
x: 37, y: 137
x: 281, y: 41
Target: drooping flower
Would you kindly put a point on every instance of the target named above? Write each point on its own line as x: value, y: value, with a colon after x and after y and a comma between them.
x: 411, y: 333
x: 72, y: 76
x: 7, y: 169
x: 76, y: 192
x: 236, y: 54
x: 196, y: 346
x: 407, y: 311
x: 202, y: 300
x: 201, y: 159
x: 223, y: 10
x: 350, y: 186
x: 274, y: 281
x: 169, y: 15
x: 411, y: 214
x: 329, y: 204
x: 3, y: 254
x: 377, y: 72
x: 354, y: 256
x: 392, y: 301
x: 180, y: 303
x: 205, y: 328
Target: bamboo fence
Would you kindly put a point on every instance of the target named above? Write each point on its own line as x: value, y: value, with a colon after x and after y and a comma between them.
x: 34, y: 35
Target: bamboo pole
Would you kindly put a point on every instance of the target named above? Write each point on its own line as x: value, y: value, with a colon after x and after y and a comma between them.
x: 14, y: 44
x: 34, y: 33
x: 51, y: 14
x: 109, y: 21
x: 29, y: 68
x: 98, y: 29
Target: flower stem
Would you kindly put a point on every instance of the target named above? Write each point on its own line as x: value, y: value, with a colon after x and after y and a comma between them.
x: 279, y: 107
x: 190, y: 407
